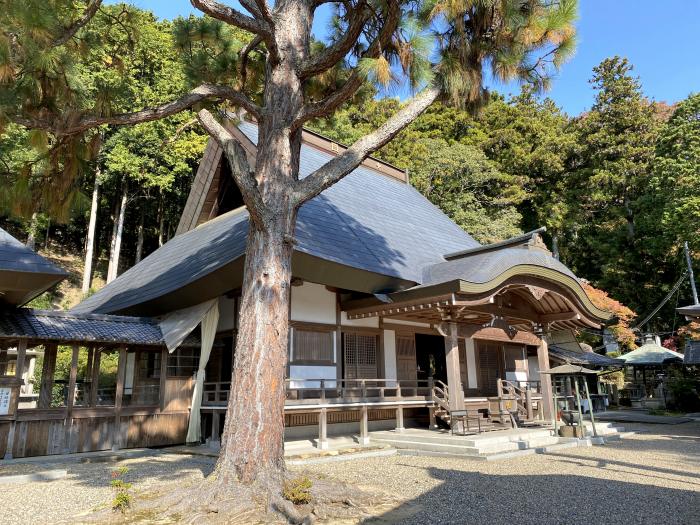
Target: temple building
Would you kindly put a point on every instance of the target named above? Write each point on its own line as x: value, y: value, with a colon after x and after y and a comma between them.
x: 398, y: 317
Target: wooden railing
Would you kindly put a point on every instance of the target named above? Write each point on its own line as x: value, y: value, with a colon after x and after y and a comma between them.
x: 522, y: 393
x: 304, y: 391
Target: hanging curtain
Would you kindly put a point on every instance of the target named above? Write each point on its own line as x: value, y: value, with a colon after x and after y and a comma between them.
x: 177, y: 325
x: 209, y: 324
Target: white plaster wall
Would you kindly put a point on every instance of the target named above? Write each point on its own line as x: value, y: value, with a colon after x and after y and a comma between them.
x: 313, y: 303
x: 227, y: 313
x: 369, y: 322
x: 471, y: 363
x: 311, y: 372
x: 389, y: 355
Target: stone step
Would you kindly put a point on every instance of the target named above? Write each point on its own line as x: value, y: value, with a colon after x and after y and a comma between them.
x: 479, y: 441
x: 540, y: 442
x: 426, y: 446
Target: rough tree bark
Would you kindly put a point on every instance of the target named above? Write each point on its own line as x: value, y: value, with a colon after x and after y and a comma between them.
x: 33, y: 225
x: 90, y: 243
x: 113, y: 268
x: 139, y: 239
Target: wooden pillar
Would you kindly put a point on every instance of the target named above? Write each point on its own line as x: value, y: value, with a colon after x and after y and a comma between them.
x: 21, y: 356
x: 433, y: 421
x: 163, y: 376
x: 47, y: 373
x: 546, y: 379
x: 322, y: 430
x: 72, y: 379
x: 364, y: 426
x: 399, y: 419
x: 3, y: 360
x: 454, y: 378
x: 215, y: 426
x: 121, y: 371
x: 95, y: 375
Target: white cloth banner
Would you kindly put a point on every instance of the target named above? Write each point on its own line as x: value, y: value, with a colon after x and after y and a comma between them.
x: 209, y: 324
x: 177, y: 325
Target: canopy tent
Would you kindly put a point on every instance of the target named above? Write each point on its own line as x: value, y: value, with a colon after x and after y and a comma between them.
x: 651, y: 354
x: 691, y: 312
x: 569, y: 370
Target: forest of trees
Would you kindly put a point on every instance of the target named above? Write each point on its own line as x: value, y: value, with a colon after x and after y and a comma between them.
x: 617, y: 187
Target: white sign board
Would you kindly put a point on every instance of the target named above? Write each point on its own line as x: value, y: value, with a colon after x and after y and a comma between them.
x: 5, y: 395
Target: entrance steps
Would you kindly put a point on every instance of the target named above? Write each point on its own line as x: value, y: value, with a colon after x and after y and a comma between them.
x: 503, y: 444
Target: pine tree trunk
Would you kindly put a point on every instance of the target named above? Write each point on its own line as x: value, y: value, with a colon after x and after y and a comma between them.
x: 113, y: 239
x: 161, y: 220
x: 117, y: 242
x: 90, y: 243
x: 252, y: 448
x: 33, y: 225
x: 139, y: 241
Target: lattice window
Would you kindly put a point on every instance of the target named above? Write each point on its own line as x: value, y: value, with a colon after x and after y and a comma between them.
x: 183, y: 362
x: 360, y: 351
x: 312, y: 346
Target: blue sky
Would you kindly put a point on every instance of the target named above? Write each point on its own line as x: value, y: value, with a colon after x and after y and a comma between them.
x: 661, y: 40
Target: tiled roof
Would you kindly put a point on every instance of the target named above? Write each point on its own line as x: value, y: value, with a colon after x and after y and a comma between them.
x: 367, y: 221
x: 16, y: 257
x: 583, y: 358
x: 70, y: 327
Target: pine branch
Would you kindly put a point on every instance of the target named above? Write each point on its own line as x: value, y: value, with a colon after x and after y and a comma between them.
x: 240, y: 170
x: 337, y: 168
x: 330, y: 56
x: 233, y: 17
x: 199, y: 94
x: 330, y: 103
x: 72, y: 29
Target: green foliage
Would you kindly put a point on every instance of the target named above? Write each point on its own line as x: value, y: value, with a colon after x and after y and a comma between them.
x: 297, y: 490
x: 609, y: 183
x: 685, y: 390
x: 468, y: 187
x: 122, y: 497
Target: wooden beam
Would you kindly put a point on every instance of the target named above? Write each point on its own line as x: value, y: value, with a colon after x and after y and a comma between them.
x: 21, y: 356
x: 561, y: 316
x: 95, y: 375
x: 47, y: 373
x: 546, y: 380
x: 71, y: 399
x: 121, y: 372
x: 454, y: 379
x: 163, y: 376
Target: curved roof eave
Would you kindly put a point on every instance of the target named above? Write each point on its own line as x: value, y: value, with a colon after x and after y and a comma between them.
x: 547, y: 274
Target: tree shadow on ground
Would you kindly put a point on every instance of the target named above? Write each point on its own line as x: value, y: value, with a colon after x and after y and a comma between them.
x: 473, y: 497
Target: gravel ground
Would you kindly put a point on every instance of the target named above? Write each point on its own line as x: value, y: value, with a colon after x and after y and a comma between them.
x: 87, y: 486
x: 651, y: 477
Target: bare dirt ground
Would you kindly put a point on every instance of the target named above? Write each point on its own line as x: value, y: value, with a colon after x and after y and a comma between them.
x: 652, y: 477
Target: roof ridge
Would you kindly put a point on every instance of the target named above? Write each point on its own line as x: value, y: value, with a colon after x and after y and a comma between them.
x: 518, y: 239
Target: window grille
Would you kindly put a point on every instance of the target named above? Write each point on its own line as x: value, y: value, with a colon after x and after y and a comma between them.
x: 312, y: 346
x: 360, y: 352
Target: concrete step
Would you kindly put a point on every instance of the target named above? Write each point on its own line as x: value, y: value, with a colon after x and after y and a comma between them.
x: 426, y: 446
x: 543, y: 441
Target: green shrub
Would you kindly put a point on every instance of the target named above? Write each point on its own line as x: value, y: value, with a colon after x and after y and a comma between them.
x: 122, y: 499
x: 297, y: 490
